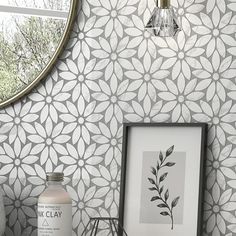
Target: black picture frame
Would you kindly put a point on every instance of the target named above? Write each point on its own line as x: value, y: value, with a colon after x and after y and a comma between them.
x: 124, y: 168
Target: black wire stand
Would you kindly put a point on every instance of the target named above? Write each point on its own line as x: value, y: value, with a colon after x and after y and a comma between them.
x: 114, y: 225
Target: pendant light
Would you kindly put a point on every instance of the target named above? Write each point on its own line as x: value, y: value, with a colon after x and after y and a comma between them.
x: 163, y: 21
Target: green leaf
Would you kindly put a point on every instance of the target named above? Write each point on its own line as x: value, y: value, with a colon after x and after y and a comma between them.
x: 166, y: 194
x: 155, y: 198
x: 161, y: 156
x: 164, y: 213
x: 161, y: 205
x: 170, y: 150
x: 163, y: 177
x: 151, y: 181
x: 175, y: 202
x: 169, y: 164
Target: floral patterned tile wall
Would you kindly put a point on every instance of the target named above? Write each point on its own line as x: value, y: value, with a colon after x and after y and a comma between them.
x: 112, y: 71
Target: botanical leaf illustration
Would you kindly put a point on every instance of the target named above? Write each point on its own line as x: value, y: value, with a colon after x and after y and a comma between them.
x: 174, y: 202
x: 154, y: 171
x: 153, y: 189
x: 163, y: 177
x: 161, y: 156
x: 169, y: 164
x: 155, y: 198
x: 166, y: 194
x: 165, y: 213
x: 151, y: 181
x: 161, y: 190
x: 158, y: 180
x: 169, y: 151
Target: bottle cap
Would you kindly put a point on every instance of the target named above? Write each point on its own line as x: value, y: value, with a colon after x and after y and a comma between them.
x: 55, y: 176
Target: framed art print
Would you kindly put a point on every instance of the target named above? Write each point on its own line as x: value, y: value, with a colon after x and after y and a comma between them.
x: 161, y: 179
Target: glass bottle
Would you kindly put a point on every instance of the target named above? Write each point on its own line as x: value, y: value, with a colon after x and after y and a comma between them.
x: 54, y: 208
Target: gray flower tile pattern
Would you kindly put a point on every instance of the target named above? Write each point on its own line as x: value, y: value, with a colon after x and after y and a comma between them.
x: 112, y: 71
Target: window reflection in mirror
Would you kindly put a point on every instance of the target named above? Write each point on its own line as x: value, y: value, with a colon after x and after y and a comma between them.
x: 30, y: 32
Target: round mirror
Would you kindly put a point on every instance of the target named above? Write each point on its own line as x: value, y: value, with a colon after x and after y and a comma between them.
x: 32, y: 35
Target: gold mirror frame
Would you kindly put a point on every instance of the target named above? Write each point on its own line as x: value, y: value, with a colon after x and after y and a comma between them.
x: 51, y: 63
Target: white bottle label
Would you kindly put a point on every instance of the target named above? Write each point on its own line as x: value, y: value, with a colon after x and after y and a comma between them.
x: 54, y: 219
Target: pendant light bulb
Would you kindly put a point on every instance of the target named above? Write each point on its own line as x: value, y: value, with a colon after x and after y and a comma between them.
x: 163, y: 21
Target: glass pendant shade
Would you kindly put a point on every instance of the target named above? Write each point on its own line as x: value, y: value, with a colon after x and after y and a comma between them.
x: 163, y: 21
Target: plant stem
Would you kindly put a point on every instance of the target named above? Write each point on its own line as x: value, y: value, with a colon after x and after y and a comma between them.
x: 162, y: 162
x: 172, y: 220
x: 158, y: 190
x: 157, y: 185
x: 170, y: 210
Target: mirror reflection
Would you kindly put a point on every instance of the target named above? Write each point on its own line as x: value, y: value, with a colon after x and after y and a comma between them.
x: 30, y: 33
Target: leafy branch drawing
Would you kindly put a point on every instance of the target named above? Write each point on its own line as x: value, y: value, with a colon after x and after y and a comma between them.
x: 157, y: 182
